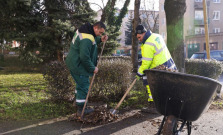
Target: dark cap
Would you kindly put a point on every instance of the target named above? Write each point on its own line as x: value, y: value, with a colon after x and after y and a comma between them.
x: 140, y: 29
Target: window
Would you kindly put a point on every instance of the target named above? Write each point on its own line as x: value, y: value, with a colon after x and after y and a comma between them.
x: 198, y: 0
x: 127, y: 15
x: 222, y: 45
x: 198, y: 56
x: 162, y: 7
x: 199, y: 15
x: 216, y: 30
x: 216, y: 15
x: 199, y: 30
x: 164, y: 21
x: 216, y: 1
x: 163, y: 35
x: 144, y: 15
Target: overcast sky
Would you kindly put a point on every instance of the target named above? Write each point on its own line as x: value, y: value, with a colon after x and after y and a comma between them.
x: 150, y: 4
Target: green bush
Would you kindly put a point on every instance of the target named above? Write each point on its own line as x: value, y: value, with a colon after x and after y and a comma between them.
x: 127, y: 58
x: 1, y: 57
x: 208, y: 68
x: 113, y: 78
x: 111, y: 82
x: 59, y: 81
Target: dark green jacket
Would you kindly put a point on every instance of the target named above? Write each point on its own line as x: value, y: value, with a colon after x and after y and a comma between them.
x: 82, y: 56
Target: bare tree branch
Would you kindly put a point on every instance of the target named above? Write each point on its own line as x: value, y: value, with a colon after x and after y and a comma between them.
x: 98, y: 5
x: 151, y: 19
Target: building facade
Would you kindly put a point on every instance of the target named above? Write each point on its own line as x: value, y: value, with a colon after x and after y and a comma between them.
x: 148, y: 18
x: 194, y: 31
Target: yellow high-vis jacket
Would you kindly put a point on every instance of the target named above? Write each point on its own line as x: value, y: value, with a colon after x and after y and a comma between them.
x: 154, y: 53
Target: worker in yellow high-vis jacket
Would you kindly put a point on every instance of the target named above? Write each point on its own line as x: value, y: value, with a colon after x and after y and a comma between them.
x: 154, y: 53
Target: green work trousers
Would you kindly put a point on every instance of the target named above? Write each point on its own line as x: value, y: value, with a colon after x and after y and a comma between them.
x: 82, y: 86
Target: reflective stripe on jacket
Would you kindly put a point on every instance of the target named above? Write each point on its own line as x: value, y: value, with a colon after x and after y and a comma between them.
x: 82, y: 56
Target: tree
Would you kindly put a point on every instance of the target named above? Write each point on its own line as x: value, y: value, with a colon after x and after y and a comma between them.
x: 46, y: 26
x: 59, y: 18
x: 134, y: 39
x: 174, y: 20
x: 128, y: 32
x: 110, y: 6
x: 113, y: 21
x: 19, y: 21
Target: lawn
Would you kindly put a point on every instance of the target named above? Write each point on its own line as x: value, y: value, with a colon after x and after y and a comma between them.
x: 24, y: 96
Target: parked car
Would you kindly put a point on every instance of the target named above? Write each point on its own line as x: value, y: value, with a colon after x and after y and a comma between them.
x: 139, y: 57
x: 129, y: 54
x: 119, y: 55
x: 214, y: 54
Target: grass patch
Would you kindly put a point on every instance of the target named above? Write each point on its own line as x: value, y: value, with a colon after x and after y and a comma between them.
x: 217, y: 103
x: 136, y: 99
x: 24, y: 96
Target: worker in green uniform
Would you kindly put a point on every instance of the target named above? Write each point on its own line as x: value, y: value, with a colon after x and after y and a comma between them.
x: 82, y: 59
x: 154, y: 53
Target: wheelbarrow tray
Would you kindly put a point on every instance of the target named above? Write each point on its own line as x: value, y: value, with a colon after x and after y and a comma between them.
x: 185, y: 96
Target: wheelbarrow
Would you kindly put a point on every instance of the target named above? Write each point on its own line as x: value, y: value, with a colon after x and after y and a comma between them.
x: 181, y: 98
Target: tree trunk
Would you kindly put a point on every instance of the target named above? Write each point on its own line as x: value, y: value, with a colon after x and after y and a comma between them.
x: 175, y: 10
x: 59, y: 49
x: 110, y: 4
x: 59, y: 55
x: 135, y: 22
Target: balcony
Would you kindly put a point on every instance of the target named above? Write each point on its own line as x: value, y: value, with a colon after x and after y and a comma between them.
x: 198, y: 22
x: 198, y: 5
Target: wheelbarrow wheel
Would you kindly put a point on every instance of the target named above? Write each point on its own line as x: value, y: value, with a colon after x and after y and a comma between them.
x: 170, y: 126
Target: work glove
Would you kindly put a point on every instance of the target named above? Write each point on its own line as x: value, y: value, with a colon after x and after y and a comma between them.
x: 137, y: 77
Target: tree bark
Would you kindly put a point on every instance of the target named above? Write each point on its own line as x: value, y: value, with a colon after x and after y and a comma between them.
x: 175, y: 10
x: 136, y: 21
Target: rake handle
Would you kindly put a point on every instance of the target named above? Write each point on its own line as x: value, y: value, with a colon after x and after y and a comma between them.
x: 92, y: 80
x: 125, y: 94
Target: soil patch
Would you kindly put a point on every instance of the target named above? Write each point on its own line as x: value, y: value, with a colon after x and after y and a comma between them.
x: 101, y: 115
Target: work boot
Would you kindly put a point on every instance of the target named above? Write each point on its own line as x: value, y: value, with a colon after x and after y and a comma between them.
x: 86, y: 111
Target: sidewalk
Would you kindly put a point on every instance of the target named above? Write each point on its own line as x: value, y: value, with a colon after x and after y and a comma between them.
x: 62, y: 126
x: 136, y: 123
x: 221, y: 81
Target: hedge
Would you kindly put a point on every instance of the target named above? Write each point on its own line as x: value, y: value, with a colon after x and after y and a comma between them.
x: 114, y: 77
x: 204, y: 67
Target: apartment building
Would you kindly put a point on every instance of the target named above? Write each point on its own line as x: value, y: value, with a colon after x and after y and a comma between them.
x: 13, y: 44
x: 149, y: 18
x: 194, y: 31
